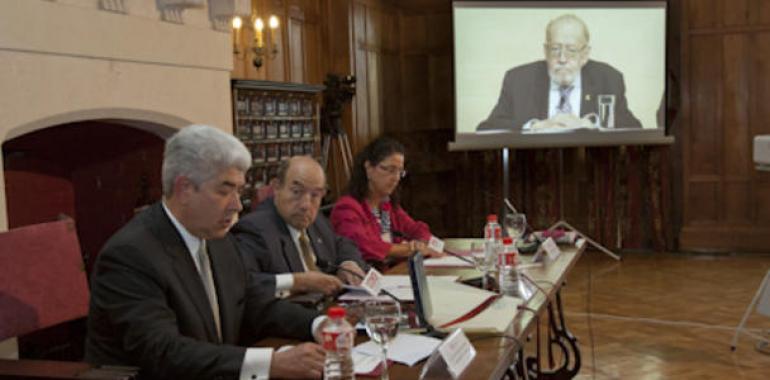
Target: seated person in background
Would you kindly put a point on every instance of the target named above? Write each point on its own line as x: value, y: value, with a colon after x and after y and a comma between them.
x: 369, y: 214
x: 286, y: 236
x: 561, y: 90
x: 169, y: 292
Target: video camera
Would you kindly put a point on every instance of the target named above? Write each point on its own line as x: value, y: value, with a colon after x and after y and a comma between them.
x: 339, y: 90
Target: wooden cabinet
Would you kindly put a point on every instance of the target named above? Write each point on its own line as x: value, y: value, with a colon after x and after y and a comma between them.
x: 275, y: 121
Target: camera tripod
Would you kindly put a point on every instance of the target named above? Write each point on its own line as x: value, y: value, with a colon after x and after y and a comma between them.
x: 337, y: 141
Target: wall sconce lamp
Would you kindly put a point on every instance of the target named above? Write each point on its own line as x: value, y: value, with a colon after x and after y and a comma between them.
x: 258, y: 48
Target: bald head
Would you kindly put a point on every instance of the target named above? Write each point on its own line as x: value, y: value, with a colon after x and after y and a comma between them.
x: 300, y: 187
x: 566, y: 48
x: 568, y: 23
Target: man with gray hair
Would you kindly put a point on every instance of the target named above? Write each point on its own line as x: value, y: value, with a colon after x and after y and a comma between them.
x: 169, y: 293
x: 563, y: 89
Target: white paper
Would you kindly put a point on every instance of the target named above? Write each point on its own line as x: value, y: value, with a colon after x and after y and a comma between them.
x: 399, y: 286
x: 551, y: 249
x: 447, y: 261
x: 451, y: 300
x: 457, y: 352
x: 406, y: 348
x: 364, y: 364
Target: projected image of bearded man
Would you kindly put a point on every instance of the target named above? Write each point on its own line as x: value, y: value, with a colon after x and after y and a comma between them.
x: 562, y: 91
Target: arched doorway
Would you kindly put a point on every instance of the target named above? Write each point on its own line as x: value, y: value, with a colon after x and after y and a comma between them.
x: 96, y: 172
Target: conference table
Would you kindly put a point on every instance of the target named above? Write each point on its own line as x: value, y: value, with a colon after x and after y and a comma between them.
x: 495, y: 355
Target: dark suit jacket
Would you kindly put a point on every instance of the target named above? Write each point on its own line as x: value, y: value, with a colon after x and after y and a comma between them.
x: 524, y: 95
x: 265, y: 243
x: 149, y: 308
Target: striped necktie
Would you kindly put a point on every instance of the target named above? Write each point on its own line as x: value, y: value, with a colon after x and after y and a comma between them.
x: 564, y: 105
x: 307, y: 252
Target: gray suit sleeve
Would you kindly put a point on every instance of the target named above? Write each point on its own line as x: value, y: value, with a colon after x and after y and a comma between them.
x: 502, y: 116
x: 252, y: 247
x: 348, y: 251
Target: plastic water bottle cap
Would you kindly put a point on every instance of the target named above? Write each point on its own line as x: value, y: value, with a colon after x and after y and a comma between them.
x: 507, y: 240
x: 336, y: 312
x: 492, y: 218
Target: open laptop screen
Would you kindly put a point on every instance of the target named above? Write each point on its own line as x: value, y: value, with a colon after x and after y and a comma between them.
x: 419, y: 280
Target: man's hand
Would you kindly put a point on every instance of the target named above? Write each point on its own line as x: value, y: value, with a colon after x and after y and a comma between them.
x: 306, y: 282
x: 350, y: 273
x: 305, y: 361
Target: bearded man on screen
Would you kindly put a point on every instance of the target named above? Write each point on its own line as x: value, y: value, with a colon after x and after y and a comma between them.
x: 562, y: 90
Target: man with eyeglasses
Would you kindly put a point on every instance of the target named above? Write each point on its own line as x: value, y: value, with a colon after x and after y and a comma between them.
x: 562, y: 89
x: 286, y: 237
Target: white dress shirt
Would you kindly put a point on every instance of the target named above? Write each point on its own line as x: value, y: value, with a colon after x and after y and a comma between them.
x: 554, y: 96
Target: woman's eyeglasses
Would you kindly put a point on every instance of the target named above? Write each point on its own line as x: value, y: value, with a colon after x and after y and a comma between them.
x: 393, y: 170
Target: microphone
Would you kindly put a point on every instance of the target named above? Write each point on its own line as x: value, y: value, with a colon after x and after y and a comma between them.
x: 510, y: 205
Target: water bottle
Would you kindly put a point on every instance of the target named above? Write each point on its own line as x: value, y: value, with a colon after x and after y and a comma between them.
x: 507, y: 269
x: 338, y: 337
x: 492, y: 230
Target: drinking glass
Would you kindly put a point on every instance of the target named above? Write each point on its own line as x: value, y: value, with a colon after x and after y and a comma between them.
x: 382, y: 318
x: 482, y: 261
x: 606, y: 110
x: 515, y: 225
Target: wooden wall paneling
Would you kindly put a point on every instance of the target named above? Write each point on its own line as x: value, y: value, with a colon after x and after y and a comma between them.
x: 390, y: 76
x: 760, y: 113
x: 735, y: 12
x: 705, y: 111
x: 316, y: 48
x: 735, y: 130
x: 415, y: 92
x: 359, y: 136
x: 634, y: 225
x: 664, y: 221
x: 295, y: 29
x: 760, y: 79
x: 371, y: 50
x: 703, y: 155
x: 415, y: 72
x: 724, y: 52
x: 277, y: 68
x: 703, y: 13
x: 759, y: 12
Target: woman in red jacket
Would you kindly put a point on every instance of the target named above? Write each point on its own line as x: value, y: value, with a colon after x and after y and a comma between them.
x: 370, y: 215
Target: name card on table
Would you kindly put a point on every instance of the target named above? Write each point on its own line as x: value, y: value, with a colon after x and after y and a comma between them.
x: 451, y: 358
x: 372, y: 282
x: 436, y: 244
x: 547, y: 249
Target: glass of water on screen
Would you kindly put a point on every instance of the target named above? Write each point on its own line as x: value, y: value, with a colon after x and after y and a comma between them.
x: 516, y: 225
x: 606, y: 110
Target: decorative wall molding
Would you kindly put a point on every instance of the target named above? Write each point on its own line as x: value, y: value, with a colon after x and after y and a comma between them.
x: 172, y: 10
x: 115, y: 6
x: 221, y: 12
